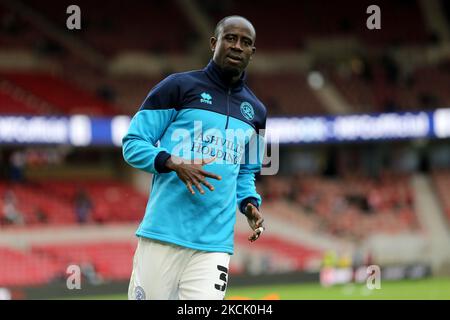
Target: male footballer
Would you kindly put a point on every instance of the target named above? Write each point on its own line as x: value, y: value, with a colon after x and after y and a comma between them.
x: 186, y: 236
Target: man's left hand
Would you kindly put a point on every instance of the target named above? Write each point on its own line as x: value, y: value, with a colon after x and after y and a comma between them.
x: 255, y: 221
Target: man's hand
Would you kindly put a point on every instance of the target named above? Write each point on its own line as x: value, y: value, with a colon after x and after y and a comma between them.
x: 255, y: 221
x: 191, y: 173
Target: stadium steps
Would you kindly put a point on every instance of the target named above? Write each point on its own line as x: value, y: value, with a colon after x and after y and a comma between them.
x: 434, y: 18
x: 199, y: 20
x: 432, y: 218
x: 334, y: 102
x: 441, y: 180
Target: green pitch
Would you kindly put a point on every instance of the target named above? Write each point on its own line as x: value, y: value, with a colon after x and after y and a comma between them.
x: 433, y: 289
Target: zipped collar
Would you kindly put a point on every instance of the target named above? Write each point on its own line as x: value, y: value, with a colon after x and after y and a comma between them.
x: 215, y: 73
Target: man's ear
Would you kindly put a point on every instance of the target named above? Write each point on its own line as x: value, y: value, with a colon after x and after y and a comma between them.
x: 212, y: 43
x: 253, y: 52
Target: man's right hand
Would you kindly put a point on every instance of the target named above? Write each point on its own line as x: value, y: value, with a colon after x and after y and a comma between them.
x: 192, y: 173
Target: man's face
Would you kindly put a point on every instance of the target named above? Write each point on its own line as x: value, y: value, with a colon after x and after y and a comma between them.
x: 234, y: 46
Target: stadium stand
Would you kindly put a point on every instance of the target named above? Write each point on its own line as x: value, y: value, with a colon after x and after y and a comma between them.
x: 349, y: 207
x: 320, y: 19
x: 364, y: 92
x: 354, y: 207
x: 43, y: 264
x: 126, y: 92
x: 105, y: 32
x: 289, y: 94
x: 65, y: 97
x: 386, y: 87
x: 60, y: 208
x: 300, y: 256
x: 112, y: 260
x: 10, y: 104
x: 16, y: 32
x: 25, y: 269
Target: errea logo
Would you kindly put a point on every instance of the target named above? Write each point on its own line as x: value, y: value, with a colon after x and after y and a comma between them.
x: 206, y: 98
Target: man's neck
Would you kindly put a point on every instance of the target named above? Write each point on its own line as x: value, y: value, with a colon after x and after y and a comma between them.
x: 236, y: 78
x: 226, y: 75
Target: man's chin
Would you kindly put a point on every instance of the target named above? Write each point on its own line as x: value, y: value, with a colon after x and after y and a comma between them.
x: 231, y: 71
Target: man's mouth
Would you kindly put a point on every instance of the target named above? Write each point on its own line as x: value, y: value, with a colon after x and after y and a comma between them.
x: 234, y: 59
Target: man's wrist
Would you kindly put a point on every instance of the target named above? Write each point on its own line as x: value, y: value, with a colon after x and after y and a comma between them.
x: 169, y: 164
x: 246, y: 201
x: 161, y: 161
x: 173, y: 163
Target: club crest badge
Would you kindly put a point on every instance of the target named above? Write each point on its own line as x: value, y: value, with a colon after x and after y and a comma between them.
x: 247, y: 110
x: 139, y: 293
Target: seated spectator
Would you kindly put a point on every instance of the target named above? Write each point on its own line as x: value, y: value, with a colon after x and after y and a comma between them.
x: 11, y: 214
x: 40, y: 215
x: 17, y: 163
x: 88, y: 270
x: 83, y: 206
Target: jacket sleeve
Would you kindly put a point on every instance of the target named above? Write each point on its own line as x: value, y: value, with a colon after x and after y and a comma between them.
x: 246, y: 188
x: 139, y: 145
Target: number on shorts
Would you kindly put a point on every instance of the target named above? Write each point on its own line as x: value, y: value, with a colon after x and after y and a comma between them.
x: 223, y: 277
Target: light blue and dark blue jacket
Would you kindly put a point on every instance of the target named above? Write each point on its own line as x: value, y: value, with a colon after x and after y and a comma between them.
x: 191, y: 115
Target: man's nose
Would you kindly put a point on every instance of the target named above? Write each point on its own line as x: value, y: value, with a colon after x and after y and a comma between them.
x: 237, y: 45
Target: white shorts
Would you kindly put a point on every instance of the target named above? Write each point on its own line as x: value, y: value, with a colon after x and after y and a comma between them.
x: 163, y: 271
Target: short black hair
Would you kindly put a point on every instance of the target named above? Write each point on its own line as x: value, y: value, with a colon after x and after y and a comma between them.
x: 221, y: 22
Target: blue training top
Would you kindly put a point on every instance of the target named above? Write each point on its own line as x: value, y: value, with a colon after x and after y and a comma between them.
x: 197, y: 115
